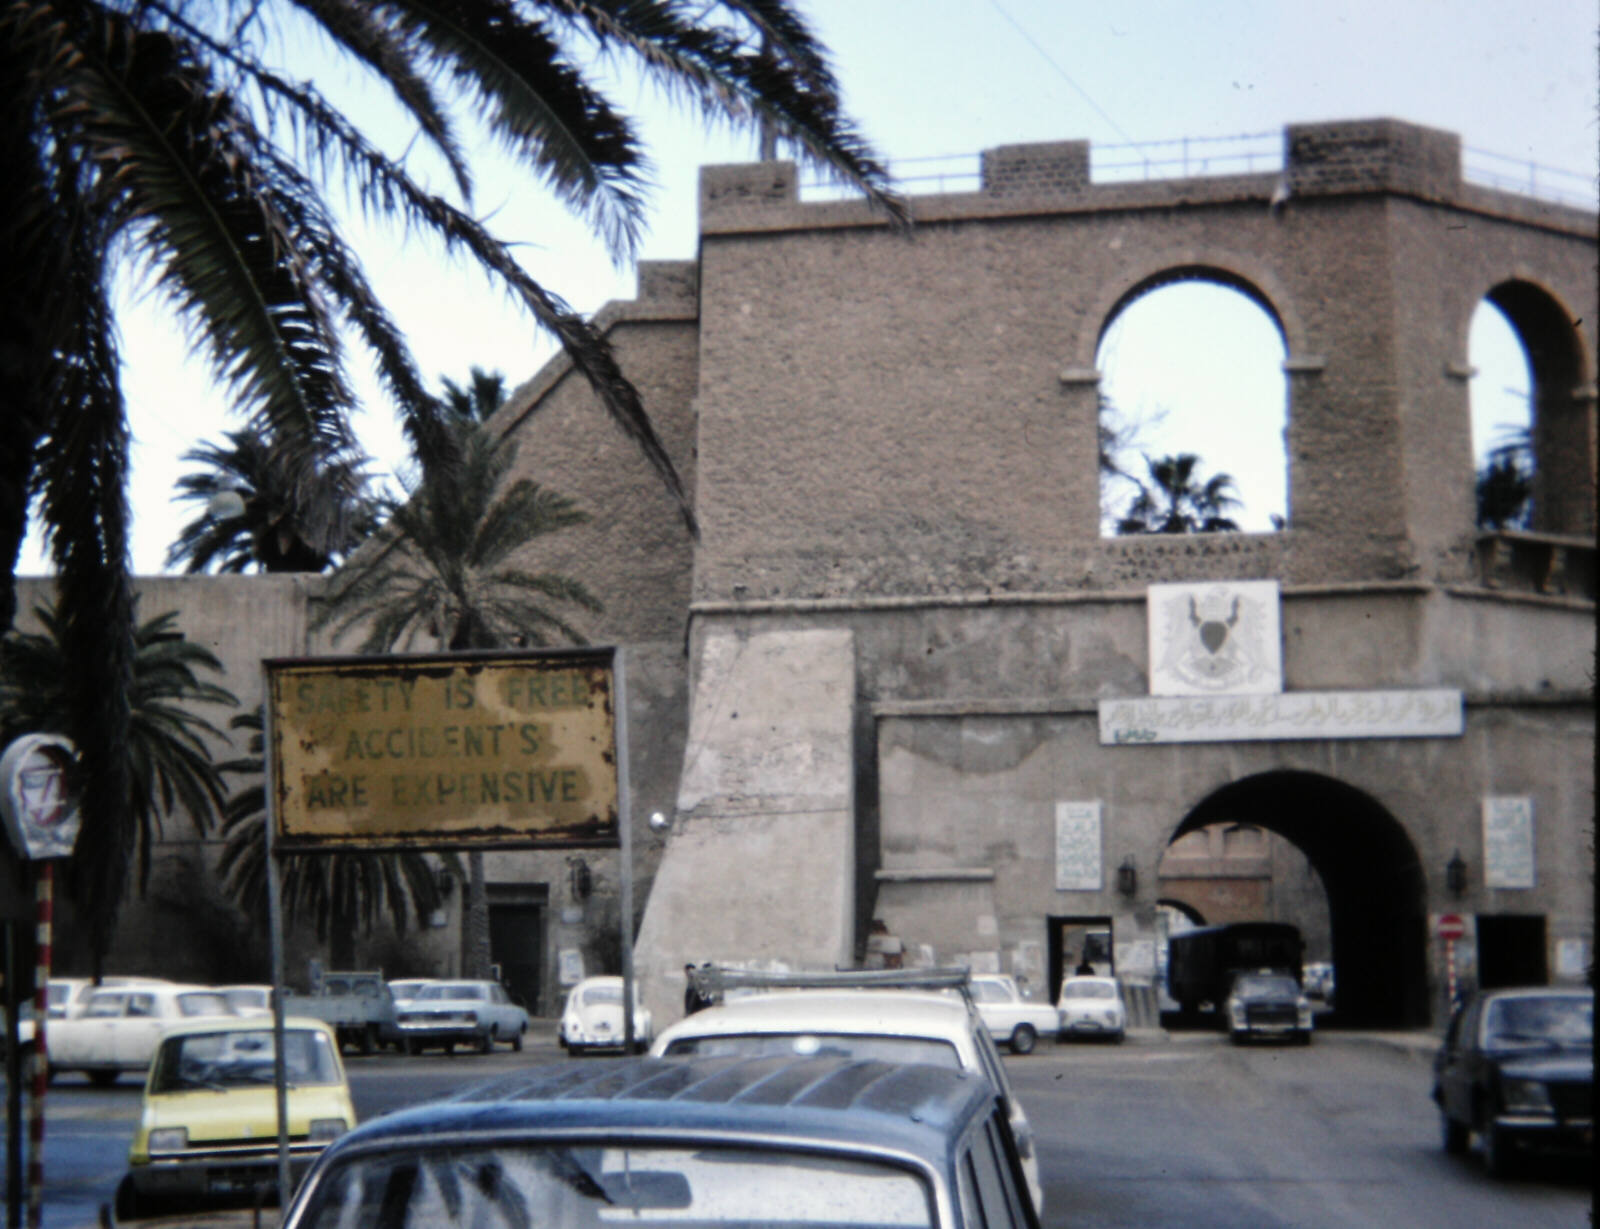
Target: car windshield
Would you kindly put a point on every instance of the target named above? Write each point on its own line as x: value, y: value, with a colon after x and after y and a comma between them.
x: 846, y: 1045
x: 605, y: 996
x: 1088, y: 990
x: 104, y: 1005
x: 235, y: 1058
x: 1565, y: 1019
x: 1260, y: 983
x: 451, y: 990
x: 578, y: 1187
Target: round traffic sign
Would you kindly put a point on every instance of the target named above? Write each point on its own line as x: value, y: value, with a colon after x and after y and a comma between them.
x: 1451, y: 926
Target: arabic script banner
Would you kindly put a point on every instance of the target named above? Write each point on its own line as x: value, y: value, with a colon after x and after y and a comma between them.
x: 1292, y: 715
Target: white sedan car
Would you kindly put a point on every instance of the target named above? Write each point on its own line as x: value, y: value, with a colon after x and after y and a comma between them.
x: 888, y: 1025
x: 120, y: 1026
x: 592, y: 1017
x: 448, y: 1013
x: 1092, y: 1007
x: 1011, y: 1018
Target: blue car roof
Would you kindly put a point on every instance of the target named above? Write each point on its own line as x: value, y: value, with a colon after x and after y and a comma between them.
x: 912, y: 1108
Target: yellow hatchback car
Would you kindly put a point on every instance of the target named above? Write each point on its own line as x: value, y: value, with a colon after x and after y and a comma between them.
x: 208, y: 1132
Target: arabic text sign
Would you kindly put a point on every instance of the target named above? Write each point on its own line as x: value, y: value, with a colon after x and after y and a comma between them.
x: 1295, y: 714
x: 502, y: 751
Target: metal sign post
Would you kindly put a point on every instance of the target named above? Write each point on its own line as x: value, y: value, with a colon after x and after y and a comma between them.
x: 39, y: 804
x: 625, y: 850
x: 280, y: 1075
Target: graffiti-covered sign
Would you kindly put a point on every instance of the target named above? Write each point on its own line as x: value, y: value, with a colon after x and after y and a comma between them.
x: 38, y: 798
x: 503, y: 751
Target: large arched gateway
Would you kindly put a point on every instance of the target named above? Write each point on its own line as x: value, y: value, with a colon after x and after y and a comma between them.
x: 1373, y: 877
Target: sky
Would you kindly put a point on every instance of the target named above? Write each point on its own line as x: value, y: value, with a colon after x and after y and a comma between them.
x: 944, y: 79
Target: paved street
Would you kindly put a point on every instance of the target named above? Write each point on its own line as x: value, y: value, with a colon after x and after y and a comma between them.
x: 1165, y: 1130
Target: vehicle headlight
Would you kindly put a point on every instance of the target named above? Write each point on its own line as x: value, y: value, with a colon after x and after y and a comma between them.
x: 328, y: 1128
x: 1525, y: 1096
x: 169, y: 1139
x: 1236, y: 1011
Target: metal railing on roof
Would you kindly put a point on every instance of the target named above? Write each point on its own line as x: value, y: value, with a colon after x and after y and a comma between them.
x: 1197, y: 157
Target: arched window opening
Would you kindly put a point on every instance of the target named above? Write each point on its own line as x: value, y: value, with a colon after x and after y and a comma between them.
x: 1501, y: 397
x: 1193, y: 404
x: 1545, y: 415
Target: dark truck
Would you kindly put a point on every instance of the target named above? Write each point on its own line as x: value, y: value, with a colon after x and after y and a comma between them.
x: 1201, y: 963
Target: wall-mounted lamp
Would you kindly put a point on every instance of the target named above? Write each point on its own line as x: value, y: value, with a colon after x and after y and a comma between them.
x: 1127, y: 877
x: 579, y: 878
x: 1455, y: 874
x: 443, y: 882
x: 660, y: 821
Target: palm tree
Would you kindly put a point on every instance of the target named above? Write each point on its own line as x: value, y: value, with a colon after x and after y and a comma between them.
x: 162, y: 138
x: 273, y: 526
x: 339, y: 892
x: 166, y: 759
x: 1177, y: 502
x: 1505, y: 483
x: 444, y: 575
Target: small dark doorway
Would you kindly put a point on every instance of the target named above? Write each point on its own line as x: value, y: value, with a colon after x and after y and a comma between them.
x: 1511, y: 950
x: 1070, y: 941
x: 516, y: 944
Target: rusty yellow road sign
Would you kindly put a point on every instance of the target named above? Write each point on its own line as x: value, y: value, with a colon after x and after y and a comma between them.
x: 505, y: 751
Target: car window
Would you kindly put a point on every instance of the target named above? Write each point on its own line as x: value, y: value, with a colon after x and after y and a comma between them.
x: 585, y: 1186
x: 104, y: 1006
x: 993, y: 1178
x: 1540, y: 1018
x: 599, y: 996
x: 989, y: 1062
x: 1260, y: 983
x: 989, y: 992
x: 230, y: 1059
x: 1089, y: 990
x: 141, y: 1005
x: 860, y: 1046
x: 202, y: 1003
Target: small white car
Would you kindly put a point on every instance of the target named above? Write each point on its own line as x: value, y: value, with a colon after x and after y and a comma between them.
x: 120, y: 1026
x: 892, y: 1025
x: 1092, y: 1007
x: 1011, y: 1018
x: 592, y: 1017
x: 451, y: 1013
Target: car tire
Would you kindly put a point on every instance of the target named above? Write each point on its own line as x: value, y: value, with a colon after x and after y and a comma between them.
x: 1023, y: 1038
x: 574, y: 1049
x: 1499, y: 1155
x: 104, y: 1079
x: 128, y: 1205
x: 450, y: 1048
x: 1455, y: 1134
x: 486, y: 1042
x: 369, y: 1039
x: 1118, y: 1037
x: 408, y: 1046
x: 516, y: 1041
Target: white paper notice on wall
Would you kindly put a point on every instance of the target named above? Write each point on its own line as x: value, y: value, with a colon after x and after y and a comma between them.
x: 1507, y: 842
x: 1214, y: 639
x: 1078, y: 846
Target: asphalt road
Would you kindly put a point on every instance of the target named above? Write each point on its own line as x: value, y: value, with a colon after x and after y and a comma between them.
x: 1179, y: 1130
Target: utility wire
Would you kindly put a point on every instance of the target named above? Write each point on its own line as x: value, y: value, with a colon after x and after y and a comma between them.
x: 1061, y: 72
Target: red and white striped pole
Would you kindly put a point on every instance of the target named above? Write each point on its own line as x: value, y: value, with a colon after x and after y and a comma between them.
x: 44, y: 905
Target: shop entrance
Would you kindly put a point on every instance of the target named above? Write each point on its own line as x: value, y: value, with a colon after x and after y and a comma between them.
x: 1511, y: 950
x: 1076, y: 943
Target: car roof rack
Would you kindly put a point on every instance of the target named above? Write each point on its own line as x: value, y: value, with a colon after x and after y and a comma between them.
x: 713, y: 980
